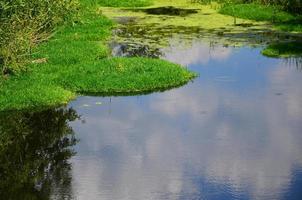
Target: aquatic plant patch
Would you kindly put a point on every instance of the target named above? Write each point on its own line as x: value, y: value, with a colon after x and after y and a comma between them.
x: 202, y: 17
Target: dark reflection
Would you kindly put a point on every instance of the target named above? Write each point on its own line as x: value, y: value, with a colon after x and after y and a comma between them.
x: 168, y: 10
x: 297, y: 62
x: 134, y: 50
x: 34, y: 152
x: 284, y: 49
x: 290, y: 52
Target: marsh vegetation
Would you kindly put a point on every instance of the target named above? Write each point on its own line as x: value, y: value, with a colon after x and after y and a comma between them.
x: 60, y: 48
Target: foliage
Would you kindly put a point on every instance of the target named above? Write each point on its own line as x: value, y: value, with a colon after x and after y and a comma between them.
x: 24, y: 23
x: 34, y: 150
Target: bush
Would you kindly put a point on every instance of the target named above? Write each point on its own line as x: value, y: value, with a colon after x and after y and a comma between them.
x: 24, y: 23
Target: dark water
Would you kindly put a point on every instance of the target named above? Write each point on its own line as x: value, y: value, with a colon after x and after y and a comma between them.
x: 233, y: 133
x: 170, y: 10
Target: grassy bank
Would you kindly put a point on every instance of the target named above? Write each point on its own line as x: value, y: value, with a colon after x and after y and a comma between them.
x: 75, y: 61
x: 273, y: 14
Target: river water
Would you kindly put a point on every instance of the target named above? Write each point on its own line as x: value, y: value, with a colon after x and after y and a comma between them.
x: 235, y: 132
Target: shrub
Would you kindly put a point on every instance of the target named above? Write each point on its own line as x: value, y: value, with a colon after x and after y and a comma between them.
x: 24, y: 23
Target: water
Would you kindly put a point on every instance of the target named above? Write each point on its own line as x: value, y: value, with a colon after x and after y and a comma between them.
x: 235, y: 132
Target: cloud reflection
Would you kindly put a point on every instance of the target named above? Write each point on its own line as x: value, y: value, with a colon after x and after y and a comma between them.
x: 202, y: 141
x: 194, y: 52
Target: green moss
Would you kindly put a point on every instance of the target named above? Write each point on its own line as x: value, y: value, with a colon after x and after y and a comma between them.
x: 75, y: 61
x: 284, y: 50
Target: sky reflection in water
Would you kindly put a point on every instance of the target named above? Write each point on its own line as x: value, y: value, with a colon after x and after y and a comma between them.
x: 234, y: 133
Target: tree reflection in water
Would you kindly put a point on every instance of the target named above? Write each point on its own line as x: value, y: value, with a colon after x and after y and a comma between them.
x: 294, y: 61
x: 34, y: 151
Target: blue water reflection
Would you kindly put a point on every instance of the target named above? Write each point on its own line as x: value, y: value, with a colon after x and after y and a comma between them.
x: 233, y: 133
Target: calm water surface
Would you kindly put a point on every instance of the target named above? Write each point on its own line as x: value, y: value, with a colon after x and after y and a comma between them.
x: 235, y: 132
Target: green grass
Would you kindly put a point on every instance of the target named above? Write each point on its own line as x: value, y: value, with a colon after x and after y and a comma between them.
x: 294, y: 25
x: 283, y: 50
x: 125, y: 3
x: 290, y: 27
x: 77, y: 62
x: 256, y: 12
x: 282, y: 20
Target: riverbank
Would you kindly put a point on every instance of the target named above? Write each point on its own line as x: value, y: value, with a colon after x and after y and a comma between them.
x: 76, y: 60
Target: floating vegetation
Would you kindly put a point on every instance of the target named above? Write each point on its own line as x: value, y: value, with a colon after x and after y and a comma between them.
x: 145, y: 31
x: 148, y: 40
